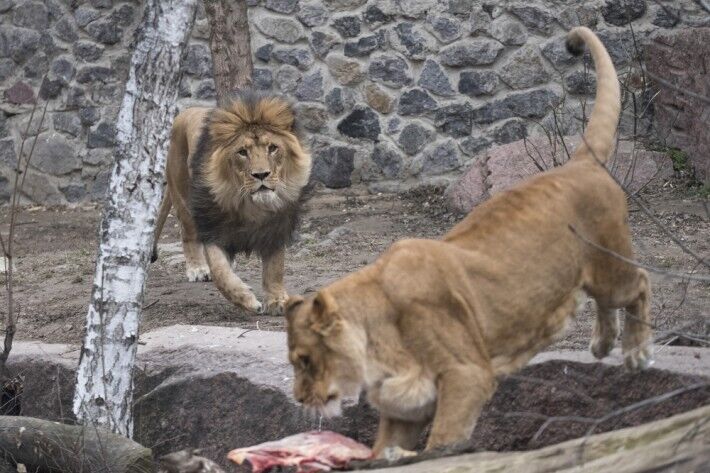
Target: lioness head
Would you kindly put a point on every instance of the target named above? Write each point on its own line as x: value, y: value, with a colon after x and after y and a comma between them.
x: 255, y: 156
x: 326, y: 354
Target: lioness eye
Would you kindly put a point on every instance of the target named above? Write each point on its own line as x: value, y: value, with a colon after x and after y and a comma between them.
x: 273, y: 149
x: 304, y: 361
x: 243, y: 153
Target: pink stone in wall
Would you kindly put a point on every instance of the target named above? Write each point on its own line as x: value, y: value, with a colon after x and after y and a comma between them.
x: 20, y: 93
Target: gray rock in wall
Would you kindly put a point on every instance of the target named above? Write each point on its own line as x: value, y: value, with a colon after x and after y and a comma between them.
x: 414, y: 137
x: 508, y: 31
x: 524, y: 69
x: 534, y: 17
x: 455, y: 119
x: 445, y: 28
x: 311, y: 87
x: 299, y: 57
x: 413, y: 42
x: 55, y: 155
x: 345, y: 71
x: 390, y: 70
x: 416, y: 102
x: 282, y: 6
x: 623, y: 12
x: 434, y: 79
x: 287, y: 78
x: 322, y: 43
x: 388, y: 159
x: 333, y: 165
x: 313, y: 14
x: 476, y: 83
x: 285, y: 30
x: 438, y: 158
x: 531, y: 104
x: 476, y: 52
x: 340, y: 100
x: 362, y: 123
x: 348, y: 26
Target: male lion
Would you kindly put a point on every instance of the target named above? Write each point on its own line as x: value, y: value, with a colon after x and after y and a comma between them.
x: 236, y: 176
x: 428, y: 327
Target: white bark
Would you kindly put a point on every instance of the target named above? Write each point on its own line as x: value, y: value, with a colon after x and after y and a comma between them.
x: 104, y: 389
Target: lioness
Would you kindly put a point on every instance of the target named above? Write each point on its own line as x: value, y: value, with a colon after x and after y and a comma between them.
x: 428, y: 327
x: 236, y: 176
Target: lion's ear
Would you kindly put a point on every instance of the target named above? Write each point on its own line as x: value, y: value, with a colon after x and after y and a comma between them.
x: 324, y: 314
x: 292, y: 303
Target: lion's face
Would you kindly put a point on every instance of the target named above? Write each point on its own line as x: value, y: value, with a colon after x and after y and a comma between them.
x: 327, y: 358
x: 256, y: 157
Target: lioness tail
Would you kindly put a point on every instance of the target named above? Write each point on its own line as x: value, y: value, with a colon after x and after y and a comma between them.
x: 598, y: 141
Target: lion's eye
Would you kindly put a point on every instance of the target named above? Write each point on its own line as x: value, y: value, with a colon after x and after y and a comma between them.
x: 243, y: 153
x: 273, y: 149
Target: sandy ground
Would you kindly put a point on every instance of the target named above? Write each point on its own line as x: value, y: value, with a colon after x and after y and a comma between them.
x: 340, y: 233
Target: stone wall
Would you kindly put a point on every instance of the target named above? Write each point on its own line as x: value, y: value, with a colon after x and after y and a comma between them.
x: 391, y: 93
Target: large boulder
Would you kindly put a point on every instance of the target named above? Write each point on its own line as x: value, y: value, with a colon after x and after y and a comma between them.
x: 502, y: 167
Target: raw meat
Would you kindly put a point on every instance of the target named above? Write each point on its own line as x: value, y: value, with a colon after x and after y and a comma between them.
x: 309, y: 452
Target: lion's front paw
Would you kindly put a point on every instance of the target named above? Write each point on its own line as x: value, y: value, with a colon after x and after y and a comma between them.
x: 198, y: 274
x: 275, y: 303
x: 251, y: 303
x: 638, y: 359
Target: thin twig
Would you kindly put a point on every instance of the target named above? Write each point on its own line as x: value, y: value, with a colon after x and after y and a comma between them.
x: 670, y: 85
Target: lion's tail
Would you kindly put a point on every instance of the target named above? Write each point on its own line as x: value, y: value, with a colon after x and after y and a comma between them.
x: 162, y: 217
x: 598, y: 140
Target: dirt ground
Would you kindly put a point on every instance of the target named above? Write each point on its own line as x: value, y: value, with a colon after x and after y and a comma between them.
x: 340, y: 233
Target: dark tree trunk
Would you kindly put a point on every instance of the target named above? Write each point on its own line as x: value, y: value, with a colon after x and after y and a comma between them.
x: 230, y: 45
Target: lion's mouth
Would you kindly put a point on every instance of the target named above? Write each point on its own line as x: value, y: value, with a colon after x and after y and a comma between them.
x: 263, y: 188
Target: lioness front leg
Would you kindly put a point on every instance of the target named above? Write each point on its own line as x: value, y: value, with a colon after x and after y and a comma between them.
x: 461, y: 393
x: 395, y: 433
x: 228, y: 283
x: 273, y: 282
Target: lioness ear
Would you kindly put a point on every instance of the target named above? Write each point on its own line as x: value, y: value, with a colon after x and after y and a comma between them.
x: 324, y: 316
x: 292, y: 303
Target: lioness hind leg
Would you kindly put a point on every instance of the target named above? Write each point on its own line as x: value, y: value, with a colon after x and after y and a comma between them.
x: 636, y: 340
x: 606, y: 329
x: 461, y: 394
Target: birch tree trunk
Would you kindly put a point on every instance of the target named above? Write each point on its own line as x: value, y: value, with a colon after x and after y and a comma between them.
x: 104, y: 389
x: 230, y: 45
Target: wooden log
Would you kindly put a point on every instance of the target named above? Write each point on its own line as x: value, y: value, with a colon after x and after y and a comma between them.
x: 46, y: 446
x: 104, y: 388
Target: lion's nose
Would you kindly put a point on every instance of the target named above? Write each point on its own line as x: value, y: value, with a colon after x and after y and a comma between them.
x: 261, y: 175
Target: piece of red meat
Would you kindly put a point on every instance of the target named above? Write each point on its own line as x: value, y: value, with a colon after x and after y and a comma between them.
x: 309, y: 452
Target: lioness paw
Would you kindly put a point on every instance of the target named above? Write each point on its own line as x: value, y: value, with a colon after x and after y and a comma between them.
x: 392, y: 454
x: 198, y: 274
x: 638, y: 359
x: 601, y: 347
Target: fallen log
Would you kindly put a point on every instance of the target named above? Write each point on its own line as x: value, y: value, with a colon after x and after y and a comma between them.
x: 680, y: 443
x: 45, y: 446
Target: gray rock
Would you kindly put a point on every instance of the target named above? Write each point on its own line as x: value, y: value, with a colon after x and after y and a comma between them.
x: 99, y: 188
x: 103, y: 136
x: 340, y: 5
x: 345, y: 71
x: 124, y: 15
x: 55, y: 155
x: 65, y: 30
x: 184, y: 89
x: 378, y: 99
x: 206, y: 90
x: 5, y: 190
x: 445, y: 28
x: 623, y: 12
x: 534, y: 17
x: 85, y: 15
x: 347, y: 26
x: 36, y: 66
x: 21, y: 43
x: 479, y: 21
x: 67, y: 122
x: 666, y: 16
x: 264, y: 52
x: 282, y: 6
x: 579, y: 15
x: 394, y: 125
x: 6, y: 5
x: 262, y: 79
x: 63, y: 68
x: 476, y: 52
x: 88, y: 74
x: 414, y: 137
x: 508, y: 31
x: 333, y: 166
x: 411, y: 41
x: 311, y: 117
x: 434, y: 79
x: 579, y: 82
x: 51, y: 88
x: 299, y: 57
x: 310, y: 89
x: 524, y: 69
x: 322, y: 43
x: 87, y: 51
x: 198, y: 61
x: 365, y: 45
x: 287, y: 78
x: 106, y: 31
x: 31, y: 14
x: 388, y: 160
x: 8, y: 155
x: 512, y: 130
x: 415, y: 8
x: 390, y: 70
x: 476, y: 83
x: 313, y: 14
x: 7, y: 68
x: 416, y: 102
x: 89, y: 115
x: 532, y: 104
x: 20, y: 93
x: 76, y: 97
x: 101, y: 3
x: 285, y: 30
x: 374, y: 16
x: 619, y: 44
x: 460, y: 7
x: 340, y: 100
x: 474, y: 144
x: 362, y: 123
x: 73, y: 192
x: 454, y: 120
x: 438, y: 158
x: 556, y: 52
